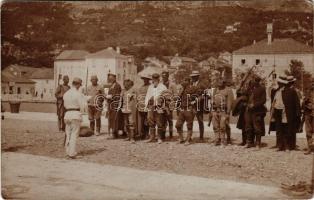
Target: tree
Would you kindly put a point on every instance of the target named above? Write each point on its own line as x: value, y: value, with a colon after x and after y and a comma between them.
x: 303, y: 77
x: 37, y: 30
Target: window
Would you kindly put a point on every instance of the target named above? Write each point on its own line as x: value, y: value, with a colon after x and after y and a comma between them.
x: 243, y: 61
x: 257, y: 61
x: 19, y: 90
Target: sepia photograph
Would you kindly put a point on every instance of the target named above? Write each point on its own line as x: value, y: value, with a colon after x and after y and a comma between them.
x: 157, y: 100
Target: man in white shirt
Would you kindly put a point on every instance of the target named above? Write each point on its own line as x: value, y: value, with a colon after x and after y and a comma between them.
x: 156, y: 114
x: 73, y: 103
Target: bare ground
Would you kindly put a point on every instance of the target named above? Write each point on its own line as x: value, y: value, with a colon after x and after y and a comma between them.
x: 264, y: 166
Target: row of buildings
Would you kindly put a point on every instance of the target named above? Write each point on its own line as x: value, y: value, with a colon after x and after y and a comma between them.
x: 268, y: 55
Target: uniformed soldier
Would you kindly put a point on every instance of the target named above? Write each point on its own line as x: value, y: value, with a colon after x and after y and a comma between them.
x: 200, y: 88
x: 221, y: 109
x: 169, y: 114
x: 113, y: 98
x: 128, y: 109
x: 95, y: 104
x: 255, y: 113
x: 74, y: 103
x: 61, y: 89
x: 186, y: 108
x: 156, y: 113
x: 308, y: 112
x: 142, y: 125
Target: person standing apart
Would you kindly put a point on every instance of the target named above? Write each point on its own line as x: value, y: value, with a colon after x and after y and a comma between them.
x: 61, y: 89
x: 155, y: 115
x: 200, y: 88
x: 113, y: 99
x: 95, y: 104
x: 308, y: 111
x: 221, y: 109
x: 73, y: 103
x: 142, y: 125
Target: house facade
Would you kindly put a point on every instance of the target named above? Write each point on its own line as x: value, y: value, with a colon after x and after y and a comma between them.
x: 44, y: 83
x: 77, y: 63
x: 71, y: 63
x: 275, y: 55
x: 178, y: 61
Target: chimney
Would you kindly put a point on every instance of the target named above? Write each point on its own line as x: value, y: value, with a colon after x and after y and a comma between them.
x: 118, y: 50
x: 269, y: 33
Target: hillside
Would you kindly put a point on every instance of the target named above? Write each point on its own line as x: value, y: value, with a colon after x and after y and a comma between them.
x: 194, y: 29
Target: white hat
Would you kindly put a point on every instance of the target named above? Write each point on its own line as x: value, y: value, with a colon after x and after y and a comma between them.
x: 291, y: 79
x: 282, y: 79
x: 195, y: 73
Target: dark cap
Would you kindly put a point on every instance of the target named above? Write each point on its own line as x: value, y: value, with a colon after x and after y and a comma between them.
x: 155, y: 76
x: 165, y: 73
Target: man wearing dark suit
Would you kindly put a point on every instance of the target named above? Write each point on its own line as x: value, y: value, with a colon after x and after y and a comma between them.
x: 255, y: 113
x: 113, y: 99
x: 293, y: 112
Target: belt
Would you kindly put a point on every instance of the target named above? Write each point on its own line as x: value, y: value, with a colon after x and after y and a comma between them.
x: 72, y: 109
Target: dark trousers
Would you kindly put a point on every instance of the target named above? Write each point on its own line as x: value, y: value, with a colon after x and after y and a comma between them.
x: 281, y: 130
x: 185, y: 116
x: 156, y: 119
x: 254, y: 126
x: 143, y: 127
x: 169, y: 120
x: 200, y: 120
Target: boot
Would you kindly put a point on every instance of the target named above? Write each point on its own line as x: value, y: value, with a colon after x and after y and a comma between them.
x: 152, y: 135
x: 243, y: 139
x: 62, y: 125
x: 160, y: 135
x: 181, y: 139
x: 131, y: 135
x: 92, y: 125
x: 170, y: 132
x: 188, y: 138
x: 309, y: 144
x: 258, y: 141
x: 98, y: 122
x: 59, y: 125
x: 201, y: 133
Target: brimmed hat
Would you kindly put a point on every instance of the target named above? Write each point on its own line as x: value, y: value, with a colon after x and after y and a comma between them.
x: 111, y: 74
x: 155, y: 76
x: 195, y: 73
x: 291, y: 79
x: 282, y: 79
x: 146, y: 76
x: 165, y: 73
x: 94, y: 77
x: 77, y: 80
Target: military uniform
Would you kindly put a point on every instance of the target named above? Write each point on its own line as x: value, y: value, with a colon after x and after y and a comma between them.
x: 128, y: 100
x: 254, y: 115
x: 221, y: 108
x: 308, y: 110
x: 199, y: 87
x: 61, y: 90
x: 186, y: 113
x: 115, y: 122
x: 95, y: 106
x: 142, y: 125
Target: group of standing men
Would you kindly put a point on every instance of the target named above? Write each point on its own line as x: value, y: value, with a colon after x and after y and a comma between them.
x: 146, y: 112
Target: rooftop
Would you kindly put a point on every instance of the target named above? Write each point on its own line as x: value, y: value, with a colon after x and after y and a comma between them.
x: 6, y: 77
x: 43, y: 73
x: 106, y: 53
x: 72, y: 55
x: 278, y: 46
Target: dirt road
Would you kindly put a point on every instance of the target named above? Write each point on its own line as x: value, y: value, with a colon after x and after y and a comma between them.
x: 36, y: 177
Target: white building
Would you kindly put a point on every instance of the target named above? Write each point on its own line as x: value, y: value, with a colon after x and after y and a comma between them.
x: 77, y: 63
x: 110, y: 61
x: 44, y: 83
x: 71, y: 63
x: 179, y: 61
x: 274, y: 54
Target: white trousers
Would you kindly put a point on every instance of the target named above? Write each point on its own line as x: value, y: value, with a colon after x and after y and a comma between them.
x: 72, y: 128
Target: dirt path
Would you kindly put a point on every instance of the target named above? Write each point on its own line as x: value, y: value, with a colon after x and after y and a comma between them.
x: 37, y: 177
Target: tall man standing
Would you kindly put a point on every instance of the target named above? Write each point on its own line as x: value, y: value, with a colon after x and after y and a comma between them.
x: 73, y: 103
x: 142, y: 125
x: 199, y: 88
x: 95, y: 103
x: 308, y: 112
x: 113, y: 98
x: 255, y: 113
x: 155, y: 113
x: 169, y: 114
x: 61, y: 89
x: 222, y: 102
